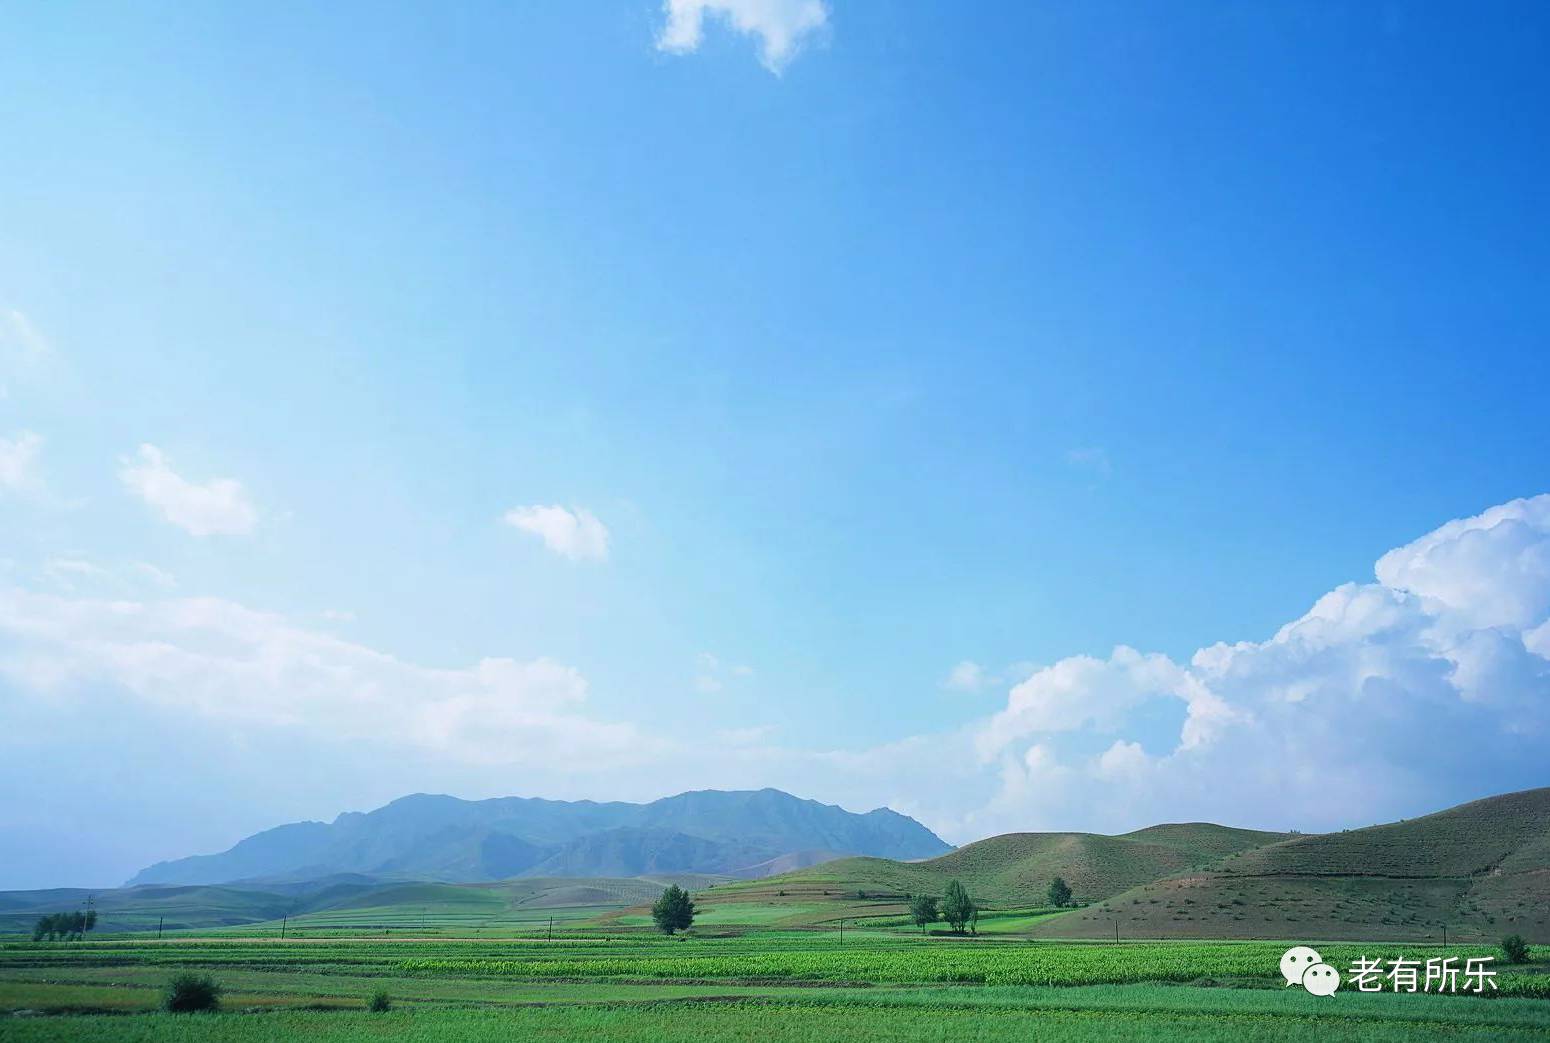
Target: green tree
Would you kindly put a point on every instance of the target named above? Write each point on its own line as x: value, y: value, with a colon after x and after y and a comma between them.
x: 957, y: 906
x: 923, y: 911
x: 1059, y: 893
x: 1515, y: 948
x: 674, y: 911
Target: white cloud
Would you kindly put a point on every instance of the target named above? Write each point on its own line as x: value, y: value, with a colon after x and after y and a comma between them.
x: 19, y: 463
x: 782, y: 26
x: 574, y: 533
x: 217, y: 507
x: 72, y: 574
x: 246, y: 668
x: 966, y: 676
x: 24, y: 351
x: 711, y: 675
x: 1427, y: 687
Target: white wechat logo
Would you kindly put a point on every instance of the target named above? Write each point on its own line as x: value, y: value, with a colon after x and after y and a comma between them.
x: 1301, y: 965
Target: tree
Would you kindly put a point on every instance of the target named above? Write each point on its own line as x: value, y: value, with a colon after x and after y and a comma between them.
x: 1059, y: 893
x: 1515, y: 948
x: 957, y: 906
x: 673, y: 911
x: 923, y: 911
x: 65, y: 927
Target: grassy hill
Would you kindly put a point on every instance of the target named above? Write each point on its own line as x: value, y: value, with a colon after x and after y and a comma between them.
x: 1482, y: 870
x: 1015, y: 869
x: 1010, y: 872
x: 353, y: 904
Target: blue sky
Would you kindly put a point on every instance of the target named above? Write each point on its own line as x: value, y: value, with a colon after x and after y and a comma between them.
x: 865, y: 340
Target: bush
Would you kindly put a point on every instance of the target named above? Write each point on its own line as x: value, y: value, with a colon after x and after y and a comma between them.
x: 188, y: 993
x: 379, y: 1002
x: 1515, y: 948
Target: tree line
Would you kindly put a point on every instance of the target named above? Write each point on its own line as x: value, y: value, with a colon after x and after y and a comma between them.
x: 64, y: 927
x: 961, y: 911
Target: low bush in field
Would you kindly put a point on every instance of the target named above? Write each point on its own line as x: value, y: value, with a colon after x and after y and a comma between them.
x: 191, y: 993
x: 379, y: 1002
x: 1515, y: 948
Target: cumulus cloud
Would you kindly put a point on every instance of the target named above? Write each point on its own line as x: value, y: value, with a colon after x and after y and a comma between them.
x: 782, y: 26
x: 573, y: 533
x: 216, y: 507
x: 19, y: 463
x: 242, y: 667
x: 1426, y: 687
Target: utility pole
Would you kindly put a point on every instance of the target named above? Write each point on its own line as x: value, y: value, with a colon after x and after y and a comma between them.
x: 1116, y: 932
x: 842, y: 930
x: 284, y: 920
x: 159, y: 921
x: 550, y: 936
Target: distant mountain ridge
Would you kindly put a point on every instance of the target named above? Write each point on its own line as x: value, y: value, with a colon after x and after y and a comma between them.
x: 442, y: 838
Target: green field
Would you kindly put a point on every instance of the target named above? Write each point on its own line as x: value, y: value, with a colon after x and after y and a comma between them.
x: 736, y: 983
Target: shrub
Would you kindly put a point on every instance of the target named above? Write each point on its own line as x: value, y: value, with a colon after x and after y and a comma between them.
x: 187, y: 993
x: 379, y: 1002
x: 1515, y: 948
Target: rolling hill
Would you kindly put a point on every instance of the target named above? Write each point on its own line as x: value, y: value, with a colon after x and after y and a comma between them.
x: 346, y: 903
x: 1006, y: 872
x: 1015, y: 869
x: 441, y: 838
x: 1481, y: 870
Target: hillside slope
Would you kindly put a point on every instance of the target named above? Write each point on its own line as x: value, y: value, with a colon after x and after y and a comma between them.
x: 1015, y: 869
x: 1012, y: 871
x: 430, y: 837
x: 1481, y: 870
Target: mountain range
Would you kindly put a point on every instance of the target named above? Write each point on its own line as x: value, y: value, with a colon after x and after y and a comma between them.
x: 440, y: 838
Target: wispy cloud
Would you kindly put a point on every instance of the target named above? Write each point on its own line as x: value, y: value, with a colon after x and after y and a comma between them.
x: 219, y: 506
x: 966, y: 676
x: 19, y: 463
x: 573, y: 533
x: 711, y: 675
x: 73, y: 574
x: 1092, y: 459
x: 24, y: 350
x: 782, y: 26
x: 232, y: 664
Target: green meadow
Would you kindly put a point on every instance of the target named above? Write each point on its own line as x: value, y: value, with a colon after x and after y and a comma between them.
x: 738, y: 982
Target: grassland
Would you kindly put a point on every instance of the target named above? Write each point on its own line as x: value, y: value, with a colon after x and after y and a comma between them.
x: 754, y: 984
x: 1477, y: 871
x: 826, y: 953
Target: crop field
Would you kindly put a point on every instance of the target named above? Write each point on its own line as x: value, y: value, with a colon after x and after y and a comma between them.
x: 739, y: 983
